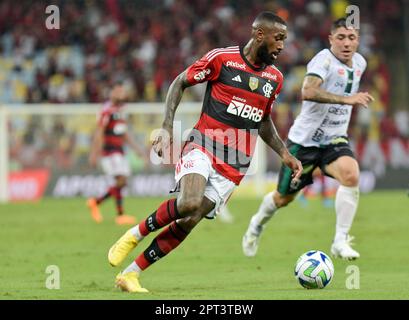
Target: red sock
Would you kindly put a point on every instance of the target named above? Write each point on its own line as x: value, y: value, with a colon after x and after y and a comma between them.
x: 165, y: 242
x: 117, y: 193
x: 109, y: 193
x: 166, y: 213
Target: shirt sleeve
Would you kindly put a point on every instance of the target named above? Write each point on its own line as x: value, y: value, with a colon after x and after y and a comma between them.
x: 205, y: 69
x: 319, y: 66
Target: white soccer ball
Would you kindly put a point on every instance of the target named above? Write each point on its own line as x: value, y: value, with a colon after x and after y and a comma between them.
x: 314, y: 270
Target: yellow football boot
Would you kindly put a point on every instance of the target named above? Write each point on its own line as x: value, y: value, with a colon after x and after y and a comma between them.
x: 129, y: 282
x: 120, y: 250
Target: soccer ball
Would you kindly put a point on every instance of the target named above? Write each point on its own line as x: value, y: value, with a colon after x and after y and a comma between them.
x: 314, y: 270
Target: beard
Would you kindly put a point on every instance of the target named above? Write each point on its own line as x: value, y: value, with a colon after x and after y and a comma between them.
x: 264, y: 56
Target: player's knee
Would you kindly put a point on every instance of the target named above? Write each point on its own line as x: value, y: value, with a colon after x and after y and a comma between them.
x: 349, y: 178
x: 188, y: 206
x: 282, y: 201
x: 188, y: 223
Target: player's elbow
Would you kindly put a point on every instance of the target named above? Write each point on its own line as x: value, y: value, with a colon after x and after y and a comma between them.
x: 307, y: 93
x: 181, y: 81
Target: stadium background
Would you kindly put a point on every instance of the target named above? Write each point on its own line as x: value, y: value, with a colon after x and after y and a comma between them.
x: 52, y: 83
x: 146, y: 44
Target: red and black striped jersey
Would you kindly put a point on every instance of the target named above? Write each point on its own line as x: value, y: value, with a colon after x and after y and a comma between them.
x: 113, y: 120
x: 238, y: 97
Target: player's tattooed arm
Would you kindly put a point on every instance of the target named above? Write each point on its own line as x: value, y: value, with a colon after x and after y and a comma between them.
x: 173, y: 98
x: 270, y: 136
x: 164, y: 138
x: 312, y: 91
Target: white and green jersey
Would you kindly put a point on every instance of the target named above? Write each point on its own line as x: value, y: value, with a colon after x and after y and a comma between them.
x: 319, y: 123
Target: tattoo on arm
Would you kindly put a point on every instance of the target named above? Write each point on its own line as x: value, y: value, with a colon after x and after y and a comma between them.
x: 173, y: 98
x: 270, y: 136
x: 312, y: 91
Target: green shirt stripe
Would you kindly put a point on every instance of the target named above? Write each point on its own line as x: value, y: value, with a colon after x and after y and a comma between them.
x: 350, y: 81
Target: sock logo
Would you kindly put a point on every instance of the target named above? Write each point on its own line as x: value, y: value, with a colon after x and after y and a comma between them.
x: 153, y: 255
x: 150, y: 224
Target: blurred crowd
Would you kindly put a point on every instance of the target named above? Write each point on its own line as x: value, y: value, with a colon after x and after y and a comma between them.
x: 146, y: 43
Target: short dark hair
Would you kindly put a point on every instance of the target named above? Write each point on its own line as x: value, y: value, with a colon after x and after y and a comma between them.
x: 340, y: 23
x: 269, y: 16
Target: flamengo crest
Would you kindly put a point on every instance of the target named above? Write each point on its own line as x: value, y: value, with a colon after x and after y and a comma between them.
x: 267, y: 89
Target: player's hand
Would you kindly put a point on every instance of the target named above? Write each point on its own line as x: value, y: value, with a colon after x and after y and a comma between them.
x: 163, y: 141
x: 295, y: 165
x: 359, y: 99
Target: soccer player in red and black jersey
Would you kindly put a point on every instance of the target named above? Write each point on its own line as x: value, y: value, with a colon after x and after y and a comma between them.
x: 109, y: 142
x: 242, y: 84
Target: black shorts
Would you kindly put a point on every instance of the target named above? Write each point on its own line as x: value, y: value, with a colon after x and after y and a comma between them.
x: 311, y: 158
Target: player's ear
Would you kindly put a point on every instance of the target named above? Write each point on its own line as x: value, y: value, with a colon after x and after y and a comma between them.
x: 330, y: 39
x: 259, y: 35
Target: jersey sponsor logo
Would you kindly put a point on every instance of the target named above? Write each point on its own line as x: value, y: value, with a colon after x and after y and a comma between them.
x: 336, y: 123
x: 318, y: 135
x: 245, y: 111
x: 253, y: 83
x: 267, y: 89
x: 338, y: 111
x: 201, y: 75
x: 341, y: 71
x: 239, y: 99
x: 324, y: 122
x: 269, y: 75
x: 235, y: 64
x: 358, y: 73
x: 327, y: 122
x: 237, y: 78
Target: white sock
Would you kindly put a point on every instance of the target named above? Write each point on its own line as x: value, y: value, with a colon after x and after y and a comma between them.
x: 135, y: 231
x: 133, y: 267
x: 346, y: 204
x: 264, y: 214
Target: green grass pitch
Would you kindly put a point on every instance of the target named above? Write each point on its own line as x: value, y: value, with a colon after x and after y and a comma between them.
x: 210, y: 263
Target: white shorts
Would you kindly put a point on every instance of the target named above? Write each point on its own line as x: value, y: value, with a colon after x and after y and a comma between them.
x: 115, y: 165
x: 218, y: 188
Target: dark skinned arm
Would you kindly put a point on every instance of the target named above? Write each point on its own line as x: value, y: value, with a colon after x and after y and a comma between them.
x: 270, y: 136
x: 164, y: 139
